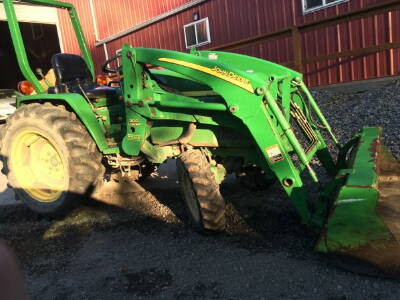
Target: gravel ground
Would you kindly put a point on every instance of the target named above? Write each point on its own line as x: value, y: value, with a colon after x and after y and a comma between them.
x: 146, y: 250
x: 347, y: 113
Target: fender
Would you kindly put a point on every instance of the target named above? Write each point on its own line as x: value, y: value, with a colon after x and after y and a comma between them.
x: 78, y: 105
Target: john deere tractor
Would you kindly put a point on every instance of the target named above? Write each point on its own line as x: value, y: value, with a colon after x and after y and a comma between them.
x: 215, y: 113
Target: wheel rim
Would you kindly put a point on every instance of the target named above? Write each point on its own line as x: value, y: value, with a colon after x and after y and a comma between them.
x: 38, y: 166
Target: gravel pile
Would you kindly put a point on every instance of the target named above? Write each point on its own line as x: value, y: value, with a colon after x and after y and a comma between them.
x: 348, y: 113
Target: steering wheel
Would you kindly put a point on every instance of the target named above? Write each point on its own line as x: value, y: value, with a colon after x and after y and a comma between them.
x: 106, y: 69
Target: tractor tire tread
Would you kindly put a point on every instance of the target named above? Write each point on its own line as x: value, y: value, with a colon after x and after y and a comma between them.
x: 84, y: 159
x: 211, y: 203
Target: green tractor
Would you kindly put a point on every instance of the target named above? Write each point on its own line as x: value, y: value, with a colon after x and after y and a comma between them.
x: 214, y: 112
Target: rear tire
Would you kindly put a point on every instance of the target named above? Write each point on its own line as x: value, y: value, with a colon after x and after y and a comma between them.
x: 49, y: 158
x: 200, y: 192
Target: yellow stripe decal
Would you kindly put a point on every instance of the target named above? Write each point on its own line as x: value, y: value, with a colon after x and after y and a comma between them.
x: 216, y: 71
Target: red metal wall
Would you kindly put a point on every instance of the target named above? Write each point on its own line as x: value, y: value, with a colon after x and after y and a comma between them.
x: 111, y: 17
x: 232, y: 20
x: 69, y: 41
x: 116, y: 16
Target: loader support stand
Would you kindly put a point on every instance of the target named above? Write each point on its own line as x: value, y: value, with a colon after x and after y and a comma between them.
x: 281, y: 164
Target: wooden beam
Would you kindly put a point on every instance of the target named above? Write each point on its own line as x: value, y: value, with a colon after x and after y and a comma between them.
x: 354, y: 52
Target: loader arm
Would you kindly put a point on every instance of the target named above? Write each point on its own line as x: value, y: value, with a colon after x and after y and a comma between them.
x: 248, y: 95
x: 284, y: 121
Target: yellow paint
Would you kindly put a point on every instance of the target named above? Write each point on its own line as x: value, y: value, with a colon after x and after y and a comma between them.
x: 216, y: 71
x: 134, y: 137
x: 134, y: 122
x: 38, y: 167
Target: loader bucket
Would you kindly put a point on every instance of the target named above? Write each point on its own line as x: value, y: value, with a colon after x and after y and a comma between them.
x: 364, y: 220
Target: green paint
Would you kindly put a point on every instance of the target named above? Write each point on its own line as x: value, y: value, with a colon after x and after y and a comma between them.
x: 353, y: 221
x: 219, y: 172
x: 79, y: 105
x: 189, y: 105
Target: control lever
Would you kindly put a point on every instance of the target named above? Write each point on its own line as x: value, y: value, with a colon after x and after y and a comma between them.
x: 39, y: 71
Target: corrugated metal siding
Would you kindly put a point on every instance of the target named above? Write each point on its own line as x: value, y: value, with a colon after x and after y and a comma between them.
x: 348, y: 36
x: 232, y: 20
x: 116, y: 16
x: 112, y: 17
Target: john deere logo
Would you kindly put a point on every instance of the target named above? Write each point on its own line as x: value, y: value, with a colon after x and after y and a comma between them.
x: 215, y: 71
x: 231, y: 75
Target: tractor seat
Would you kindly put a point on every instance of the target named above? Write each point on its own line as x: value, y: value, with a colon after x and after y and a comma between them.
x: 73, y: 76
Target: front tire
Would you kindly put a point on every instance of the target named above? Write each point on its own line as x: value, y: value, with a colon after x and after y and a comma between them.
x: 49, y: 158
x: 200, y: 191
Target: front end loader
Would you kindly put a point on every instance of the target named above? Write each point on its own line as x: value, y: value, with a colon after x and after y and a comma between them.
x: 215, y: 113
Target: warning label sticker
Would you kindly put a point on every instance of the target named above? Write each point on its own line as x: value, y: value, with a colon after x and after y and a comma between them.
x: 274, y: 154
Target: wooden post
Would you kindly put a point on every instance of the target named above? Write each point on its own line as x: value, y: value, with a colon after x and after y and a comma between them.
x: 297, y: 49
